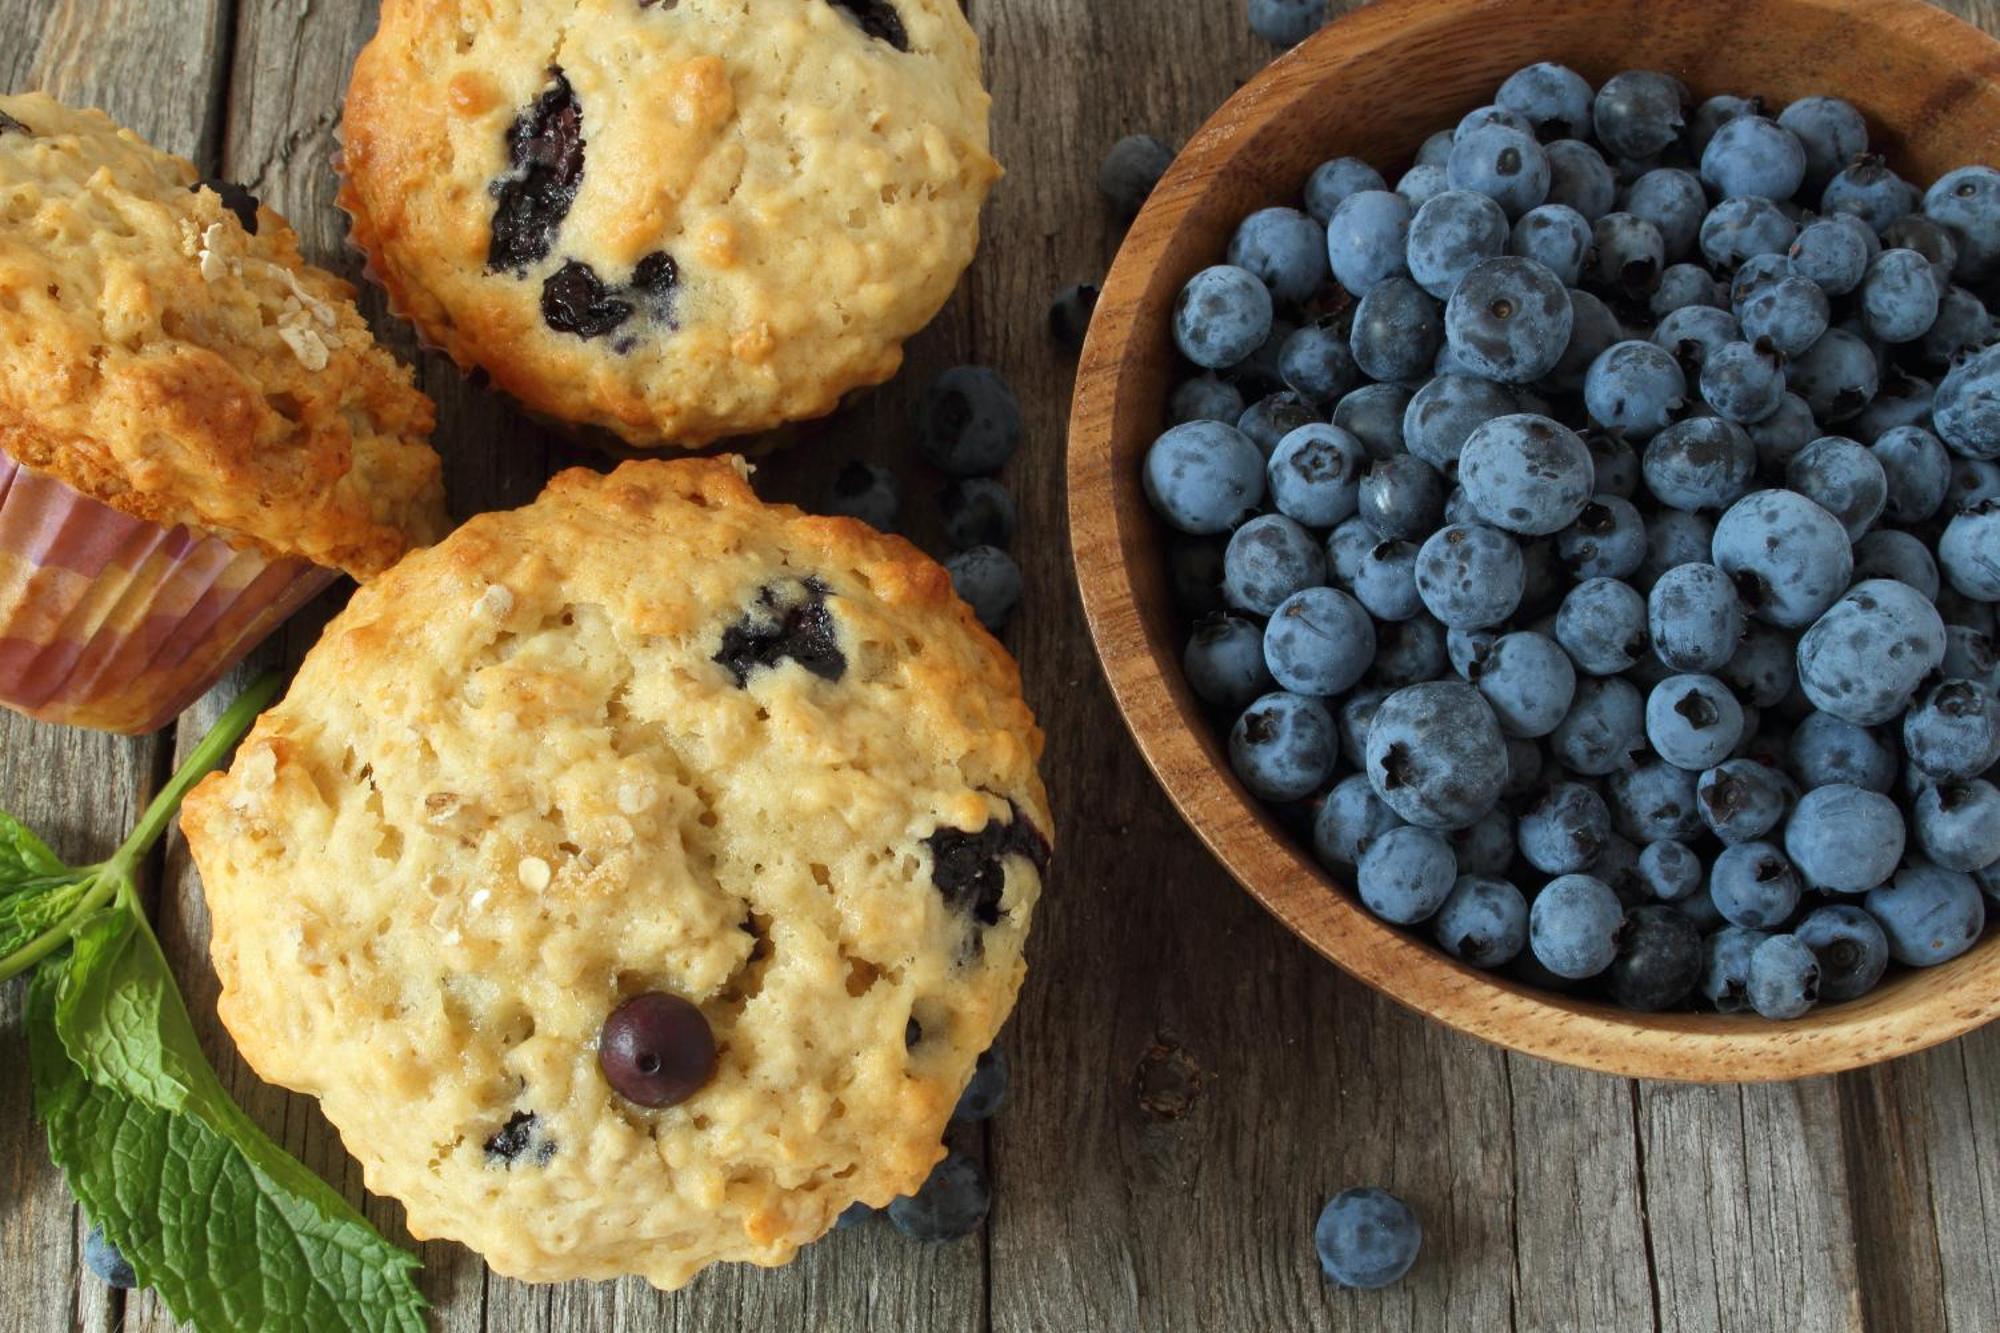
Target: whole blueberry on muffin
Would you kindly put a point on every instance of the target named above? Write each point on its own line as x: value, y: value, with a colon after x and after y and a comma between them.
x: 676, y: 219
x: 197, y: 432
x: 635, y: 877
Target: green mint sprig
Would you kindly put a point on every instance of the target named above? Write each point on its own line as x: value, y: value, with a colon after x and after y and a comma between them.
x: 232, y: 1232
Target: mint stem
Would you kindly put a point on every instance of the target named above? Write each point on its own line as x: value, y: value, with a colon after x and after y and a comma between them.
x: 117, y: 876
x: 219, y: 741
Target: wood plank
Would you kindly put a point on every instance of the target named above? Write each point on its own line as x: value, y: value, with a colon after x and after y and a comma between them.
x: 152, y: 67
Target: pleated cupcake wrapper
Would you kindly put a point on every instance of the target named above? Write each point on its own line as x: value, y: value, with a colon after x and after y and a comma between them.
x: 116, y: 623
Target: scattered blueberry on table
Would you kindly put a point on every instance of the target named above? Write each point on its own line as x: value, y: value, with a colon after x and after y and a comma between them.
x: 1594, y: 542
x: 1367, y: 1238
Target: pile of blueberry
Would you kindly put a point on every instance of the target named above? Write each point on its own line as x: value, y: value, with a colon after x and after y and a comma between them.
x: 1593, y: 542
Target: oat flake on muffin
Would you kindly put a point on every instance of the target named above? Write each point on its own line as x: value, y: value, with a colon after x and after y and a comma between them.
x: 677, y: 221
x: 647, y: 737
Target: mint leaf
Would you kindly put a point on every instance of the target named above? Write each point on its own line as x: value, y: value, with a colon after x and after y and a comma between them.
x: 228, y: 1241
x: 23, y: 856
x: 28, y: 915
x: 122, y: 1020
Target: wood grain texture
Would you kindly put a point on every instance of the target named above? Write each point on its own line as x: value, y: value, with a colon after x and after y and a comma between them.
x: 1191, y: 1081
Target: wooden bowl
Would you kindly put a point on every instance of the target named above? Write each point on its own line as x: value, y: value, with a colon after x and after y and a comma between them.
x: 1374, y: 84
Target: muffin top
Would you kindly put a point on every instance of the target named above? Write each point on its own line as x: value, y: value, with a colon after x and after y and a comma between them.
x: 170, y: 354
x: 647, y: 736
x: 676, y: 220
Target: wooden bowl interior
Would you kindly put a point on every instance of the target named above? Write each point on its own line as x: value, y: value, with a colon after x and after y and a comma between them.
x: 1374, y: 84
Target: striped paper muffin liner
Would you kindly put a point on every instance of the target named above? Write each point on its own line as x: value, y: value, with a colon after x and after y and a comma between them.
x: 117, y: 623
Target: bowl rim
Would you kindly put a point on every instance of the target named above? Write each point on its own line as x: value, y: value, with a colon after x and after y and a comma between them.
x: 1109, y: 522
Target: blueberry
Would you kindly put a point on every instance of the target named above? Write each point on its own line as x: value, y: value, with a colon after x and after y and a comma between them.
x: 1405, y: 875
x: 1350, y: 819
x: 1826, y: 751
x: 1286, y: 249
x: 1744, y: 382
x: 1741, y: 800
x: 1386, y: 581
x: 1636, y: 388
x: 986, y: 1091
x: 1930, y: 915
x: 1331, y: 182
x: 1963, y: 327
x: 1224, y: 662
x: 1483, y: 921
x: 1969, y: 654
x: 1753, y: 885
x: 1131, y: 170
x: 1694, y: 617
x: 1221, y: 316
x: 1900, y: 400
x: 1608, y: 540
x: 1580, y: 178
x: 1373, y: 414
x: 1630, y: 254
x: 1693, y: 721
x: 1509, y: 319
x: 1525, y: 762
x: 1788, y: 557
x: 1367, y: 1238
x: 1268, y: 559
x: 1402, y: 497
x: 1314, y: 475
x: 1555, y: 236
x: 1673, y: 202
x: 1283, y: 747
x: 545, y: 169
x: 1554, y: 100
x: 987, y: 580
x: 971, y: 422
x: 105, y: 1261
x: 1205, y: 398
x: 1195, y: 567
x: 1789, y: 314
x: 1470, y: 576
x: 1845, y: 839
x: 876, y: 18
x: 1830, y: 130
x: 1762, y: 670
x: 1673, y: 537
x: 1958, y: 826
x: 978, y: 511
x: 1317, y: 364
x: 1486, y: 846
x: 1865, y: 658
x: 1605, y: 726
x: 1271, y: 418
x: 1683, y: 286
x: 1286, y: 22
x: 1367, y: 239
x: 950, y: 1204
x: 1900, y: 296
x: 1651, y: 800
x: 1070, y: 312
x: 1930, y: 239
x: 1443, y: 414
x: 1319, y: 642
x: 1566, y: 830
x: 789, y: 620
x: 1659, y: 960
x: 1347, y: 548
x: 854, y: 1215
x: 1423, y: 182
x: 576, y: 301
x: 1966, y: 201
x: 1356, y: 715
x: 1750, y: 155
x: 867, y: 492
x: 1888, y: 553
x: 1202, y: 477
x: 1527, y: 681
x: 1712, y: 113
x: 1739, y: 229
x: 1699, y: 462
x: 1870, y: 191
x: 1575, y: 926
x: 1593, y: 330
x: 1501, y: 162
x: 1916, y: 473
x: 1758, y: 273
x: 1954, y: 733
x: 1435, y: 754
x: 1969, y: 551
x: 1449, y: 234
x: 1725, y: 967
x: 1833, y: 253
x: 1639, y: 112
x: 1669, y: 870
x: 1842, y: 478
x: 1850, y: 948
x: 1784, y: 978
x: 1397, y: 331
x: 1408, y: 652
x: 1693, y: 332
x: 1602, y: 626
x: 1967, y: 406
x: 1526, y: 473
x: 656, y: 1050
x: 1837, y: 376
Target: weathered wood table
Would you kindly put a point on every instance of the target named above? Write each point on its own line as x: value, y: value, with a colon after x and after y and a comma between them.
x: 1190, y: 1082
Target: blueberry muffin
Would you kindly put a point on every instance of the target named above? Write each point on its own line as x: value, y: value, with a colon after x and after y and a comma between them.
x: 677, y: 219
x: 634, y: 877
x: 196, y: 429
